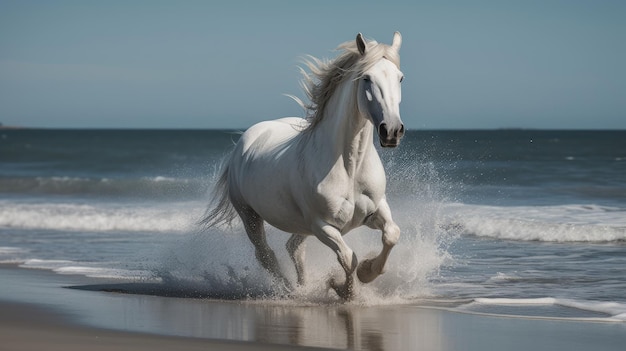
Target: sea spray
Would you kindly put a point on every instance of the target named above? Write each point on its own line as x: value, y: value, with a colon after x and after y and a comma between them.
x: 219, y: 262
x: 222, y: 262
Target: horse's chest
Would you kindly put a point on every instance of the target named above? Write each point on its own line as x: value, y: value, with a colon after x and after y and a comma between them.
x: 351, y: 212
x: 347, y: 205
x: 346, y: 197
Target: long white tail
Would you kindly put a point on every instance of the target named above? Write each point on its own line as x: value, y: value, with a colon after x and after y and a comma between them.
x: 221, y: 210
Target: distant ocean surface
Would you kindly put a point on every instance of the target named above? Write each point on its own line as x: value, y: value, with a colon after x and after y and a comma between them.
x: 515, y: 222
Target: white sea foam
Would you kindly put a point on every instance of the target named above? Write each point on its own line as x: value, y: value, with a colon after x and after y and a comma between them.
x: 175, y: 218
x: 109, y: 273
x: 567, y: 223
x: 164, y: 179
x: 12, y: 255
x: 506, y: 301
x: 45, y: 264
x: 89, y: 270
x: 8, y: 250
x: 502, y: 277
x: 615, y: 311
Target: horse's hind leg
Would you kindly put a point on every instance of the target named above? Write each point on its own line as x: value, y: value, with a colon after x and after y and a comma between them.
x: 255, y: 229
x: 296, y: 252
x: 371, y: 268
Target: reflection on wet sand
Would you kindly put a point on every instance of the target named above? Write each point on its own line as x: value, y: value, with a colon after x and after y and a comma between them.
x: 141, y: 307
x: 281, y: 322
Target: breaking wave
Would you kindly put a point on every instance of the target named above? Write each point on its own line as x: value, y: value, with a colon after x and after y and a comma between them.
x: 565, y: 223
x: 172, y: 217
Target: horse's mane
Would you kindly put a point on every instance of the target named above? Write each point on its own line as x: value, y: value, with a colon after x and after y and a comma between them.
x: 326, y: 75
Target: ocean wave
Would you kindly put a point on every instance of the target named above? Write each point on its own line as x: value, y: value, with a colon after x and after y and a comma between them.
x: 9, y: 250
x: 613, y: 311
x: 76, y: 268
x: 154, y: 186
x: 12, y: 255
x: 173, y: 218
x: 567, y: 223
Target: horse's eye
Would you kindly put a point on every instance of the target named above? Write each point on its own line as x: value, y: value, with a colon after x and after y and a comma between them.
x: 401, y: 79
x: 367, y: 78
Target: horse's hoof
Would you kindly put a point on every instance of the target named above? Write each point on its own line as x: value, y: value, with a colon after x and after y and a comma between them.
x: 344, y: 291
x: 364, y: 272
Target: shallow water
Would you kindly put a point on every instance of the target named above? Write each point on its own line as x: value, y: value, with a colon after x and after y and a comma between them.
x: 491, y: 220
x: 430, y: 326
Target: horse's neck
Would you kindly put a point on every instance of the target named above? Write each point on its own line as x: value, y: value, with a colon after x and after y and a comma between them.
x: 343, y: 133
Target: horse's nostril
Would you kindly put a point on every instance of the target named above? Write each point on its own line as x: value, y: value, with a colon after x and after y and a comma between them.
x: 401, y: 132
x: 382, y: 130
x: 398, y: 133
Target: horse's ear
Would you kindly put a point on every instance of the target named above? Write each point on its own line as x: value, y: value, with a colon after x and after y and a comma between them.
x: 360, y: 43
x: 397, y: 41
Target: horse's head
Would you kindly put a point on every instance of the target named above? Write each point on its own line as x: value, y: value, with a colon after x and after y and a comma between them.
x: 379, y: 93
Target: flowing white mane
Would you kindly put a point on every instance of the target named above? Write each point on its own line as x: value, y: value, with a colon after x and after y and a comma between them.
x: 326, y: 75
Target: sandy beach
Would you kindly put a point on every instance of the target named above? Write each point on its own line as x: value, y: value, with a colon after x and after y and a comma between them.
x: 54, y: 323
x: 30, y: 327
x: 40, y: 311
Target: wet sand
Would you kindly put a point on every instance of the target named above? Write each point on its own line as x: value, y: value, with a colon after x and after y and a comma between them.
x: 29, y: 327
x: 39, y: 311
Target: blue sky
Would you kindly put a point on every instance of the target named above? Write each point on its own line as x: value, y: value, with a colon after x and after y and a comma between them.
x: 209, y: 64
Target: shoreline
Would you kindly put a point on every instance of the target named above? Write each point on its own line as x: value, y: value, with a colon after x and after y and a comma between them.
x: 32, y: 327
x: 34, y: 301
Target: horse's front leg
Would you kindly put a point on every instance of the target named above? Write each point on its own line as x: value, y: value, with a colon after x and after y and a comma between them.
x: 371, y: 268
x: 332, y: 238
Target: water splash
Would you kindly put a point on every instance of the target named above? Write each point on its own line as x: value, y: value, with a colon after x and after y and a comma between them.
x: 222, y: 262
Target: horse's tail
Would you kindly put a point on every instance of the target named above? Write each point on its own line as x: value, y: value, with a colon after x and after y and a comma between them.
x: 221, y: 210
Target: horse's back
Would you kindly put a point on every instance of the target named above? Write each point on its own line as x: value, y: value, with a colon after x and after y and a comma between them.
x: 262, y: 167
x: 265, y: 137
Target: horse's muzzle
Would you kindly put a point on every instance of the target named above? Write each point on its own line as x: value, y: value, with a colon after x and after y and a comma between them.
x: 390, y: 137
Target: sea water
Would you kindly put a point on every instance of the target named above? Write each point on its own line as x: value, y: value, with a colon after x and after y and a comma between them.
x: 515, y: 222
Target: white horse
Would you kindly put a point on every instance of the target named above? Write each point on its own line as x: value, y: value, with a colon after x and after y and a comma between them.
x: 322, y: 175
